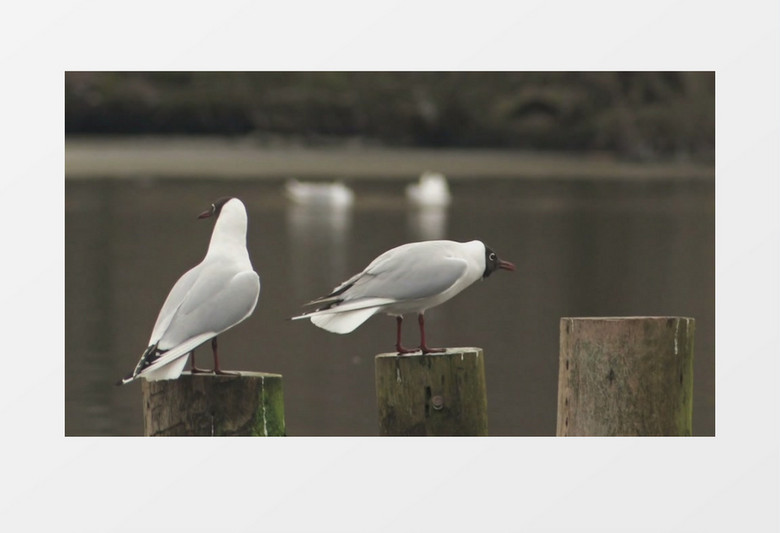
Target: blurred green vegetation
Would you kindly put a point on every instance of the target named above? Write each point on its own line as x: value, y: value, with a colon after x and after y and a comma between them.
x: 635, y: 115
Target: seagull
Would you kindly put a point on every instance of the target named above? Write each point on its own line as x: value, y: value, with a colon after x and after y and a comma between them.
x: 334, y: 194
x: 430, y: 191
x: 210, y: 298
x: 412, y: 277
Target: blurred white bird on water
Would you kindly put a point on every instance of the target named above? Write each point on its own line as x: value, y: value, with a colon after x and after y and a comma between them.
x: 329, y: 194
x: 432, y: 190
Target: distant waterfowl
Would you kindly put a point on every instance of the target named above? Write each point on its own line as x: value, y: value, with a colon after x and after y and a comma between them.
x: 333, y: 194
x: 430, y: 190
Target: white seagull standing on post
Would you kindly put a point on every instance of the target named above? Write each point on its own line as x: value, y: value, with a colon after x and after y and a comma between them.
x: 210, y: 298
x: 409, y: 278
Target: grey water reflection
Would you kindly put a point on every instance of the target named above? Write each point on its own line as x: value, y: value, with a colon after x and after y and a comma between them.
x: 318, y: 237
x: 427, y: 223
x: 582, y: 248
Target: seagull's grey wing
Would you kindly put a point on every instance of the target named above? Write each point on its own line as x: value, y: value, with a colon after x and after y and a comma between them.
x: 173, y: 301
x: 407, y: 276
x: 214, y: 304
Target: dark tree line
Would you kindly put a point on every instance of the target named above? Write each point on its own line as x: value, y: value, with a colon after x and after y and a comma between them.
x: 644, y: 115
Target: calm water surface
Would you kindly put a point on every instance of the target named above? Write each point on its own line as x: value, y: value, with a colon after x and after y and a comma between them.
x: 582, y: 248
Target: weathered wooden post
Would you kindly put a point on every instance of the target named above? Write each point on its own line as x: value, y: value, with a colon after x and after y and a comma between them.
x: 432, y: 394
x: 625, y: 376
x: 214, y: 405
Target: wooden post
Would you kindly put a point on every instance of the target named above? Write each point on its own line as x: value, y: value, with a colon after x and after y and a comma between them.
x: 625, y: 376
x: 432, y: 394
x: 213, y: 405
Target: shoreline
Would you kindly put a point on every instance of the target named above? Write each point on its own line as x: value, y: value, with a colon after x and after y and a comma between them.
x: 194, y: 157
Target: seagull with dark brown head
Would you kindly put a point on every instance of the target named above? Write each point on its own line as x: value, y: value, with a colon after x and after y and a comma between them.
x: 212, y: 297
x: 409, y: 278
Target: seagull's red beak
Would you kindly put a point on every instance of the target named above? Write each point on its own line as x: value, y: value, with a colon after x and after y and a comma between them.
x: 207, y: 213
x: 506, y: 265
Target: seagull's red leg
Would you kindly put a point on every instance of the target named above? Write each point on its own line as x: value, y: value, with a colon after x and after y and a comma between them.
x: 194, y: 369
x: 423, y: 345
x: 401, y: 350
x: 216, y: 361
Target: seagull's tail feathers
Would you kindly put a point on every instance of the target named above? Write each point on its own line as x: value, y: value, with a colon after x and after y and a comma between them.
x: 150, y: 355
x: 157, y: 365
x: 158, y: 372
x: 346, y: 317
x: 342, y: 322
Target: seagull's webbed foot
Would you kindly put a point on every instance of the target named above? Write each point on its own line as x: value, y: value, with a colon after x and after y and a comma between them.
x: 403, y: 351
x: 194, y: 369
x: 219, y: 372
x: 425, y: 349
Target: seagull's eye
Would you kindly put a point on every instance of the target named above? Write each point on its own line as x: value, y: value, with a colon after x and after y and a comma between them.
x: 213, y: 208
x: 492, y: 256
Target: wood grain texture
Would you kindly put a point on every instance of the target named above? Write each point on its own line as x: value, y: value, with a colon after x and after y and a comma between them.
x: 432, y: 394
x: 251, y: 404
x: 625, y: 376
